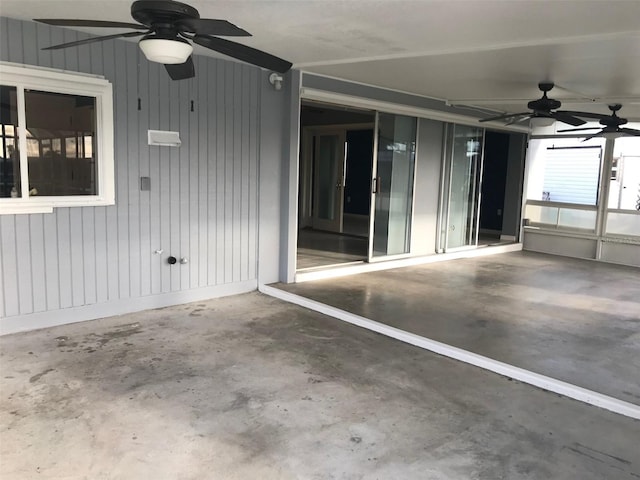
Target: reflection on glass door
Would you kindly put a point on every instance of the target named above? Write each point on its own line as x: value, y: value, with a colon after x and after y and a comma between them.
x: 464, y: 171
x: 328, y: 195
x: 393, y: 185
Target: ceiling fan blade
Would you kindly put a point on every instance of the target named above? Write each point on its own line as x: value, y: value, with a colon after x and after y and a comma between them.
x: 244, y: 53
x: 578, y: 129
x: 210, y: 26
x: 181, y: 71
x: 61, y: 22
x: 94, y: 39
x: 520, y: 119
x: 630, y: 131
x: 504, y: 116
x: 597, y: 116
x: 599, y: 134
x: 565, y: 118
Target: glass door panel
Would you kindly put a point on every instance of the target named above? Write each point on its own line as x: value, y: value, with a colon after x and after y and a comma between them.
x: 329, y: 158
x: 393, y: 185
x: 465, y: 167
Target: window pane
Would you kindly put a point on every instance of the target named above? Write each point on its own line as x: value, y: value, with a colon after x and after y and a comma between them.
x: 537, y: 214
x: 565, y: 170
x: 59, y: 126
x: 583, y: 219
x: 396, y: 162
x: 9, y: 158
x: 624, y: 189
x: 464, y: 179
x: 623, y: 223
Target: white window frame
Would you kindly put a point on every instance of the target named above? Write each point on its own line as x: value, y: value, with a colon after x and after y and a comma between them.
x: 56, y: 81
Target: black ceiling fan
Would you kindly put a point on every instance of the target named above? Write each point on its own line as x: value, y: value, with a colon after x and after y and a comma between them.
x: 612, y: 125
x: 167, y: 27
x: 544, y: 107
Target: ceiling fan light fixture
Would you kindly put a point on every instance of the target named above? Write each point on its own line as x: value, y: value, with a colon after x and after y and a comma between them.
x: 542, y: 121
x: 166, y: 51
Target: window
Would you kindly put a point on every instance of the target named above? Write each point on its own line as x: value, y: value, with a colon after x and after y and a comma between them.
x: 566, y: 171
x: 564, y: 181
x: 623, y: 215
x: 57, y: 140
x: 624, y: 189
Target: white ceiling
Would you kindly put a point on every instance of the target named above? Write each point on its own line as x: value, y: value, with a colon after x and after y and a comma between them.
x: 485, y: 53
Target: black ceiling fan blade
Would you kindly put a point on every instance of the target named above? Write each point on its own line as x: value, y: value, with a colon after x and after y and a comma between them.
x: 181, y: 71
x: 504, y: 116
x: 596, y: 116
x: 61, y: 22
x: 630, y: 131
x: 578, y: 129
x: 520, y: 119
x: 210, y: 26
x: 569, y: 119
x: 244, y: 53
x: 94, y: 39
x: 598, y: 134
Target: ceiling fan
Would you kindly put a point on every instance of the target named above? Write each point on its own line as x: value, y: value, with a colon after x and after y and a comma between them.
x: 543, y: 108
x: 166, y: 28
x: 612, y: 124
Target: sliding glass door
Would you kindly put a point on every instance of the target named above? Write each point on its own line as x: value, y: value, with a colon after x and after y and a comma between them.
x: 462, y: 176
x: 392, y: 187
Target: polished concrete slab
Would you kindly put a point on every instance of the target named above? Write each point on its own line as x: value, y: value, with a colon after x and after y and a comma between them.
x: 249, y: 387
x: 573, y: 320
x: 320, y: 249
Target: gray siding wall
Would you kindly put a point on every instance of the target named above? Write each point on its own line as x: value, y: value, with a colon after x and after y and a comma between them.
x: 203, y: 202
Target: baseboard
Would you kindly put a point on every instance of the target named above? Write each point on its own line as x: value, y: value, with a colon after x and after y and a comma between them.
x: 34, y: 321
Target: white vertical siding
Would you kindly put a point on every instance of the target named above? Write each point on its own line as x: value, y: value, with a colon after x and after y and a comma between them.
x: 203, y: 201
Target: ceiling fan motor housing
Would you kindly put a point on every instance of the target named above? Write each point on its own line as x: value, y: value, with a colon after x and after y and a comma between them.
x: 159, y: 12
x: 613, y: 120
x: 544, y: 104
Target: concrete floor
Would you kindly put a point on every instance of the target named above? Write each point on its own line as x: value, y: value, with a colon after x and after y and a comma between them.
x: 249, y: 387
x: 574, y: 320
x: 321, y: 249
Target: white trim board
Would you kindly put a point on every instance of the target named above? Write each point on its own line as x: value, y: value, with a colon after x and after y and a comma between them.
x: 363, y: 267
x: 54, y: 318
x: 542, y: 381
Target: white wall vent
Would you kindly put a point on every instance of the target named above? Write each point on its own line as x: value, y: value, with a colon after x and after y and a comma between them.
x: 164, y: 138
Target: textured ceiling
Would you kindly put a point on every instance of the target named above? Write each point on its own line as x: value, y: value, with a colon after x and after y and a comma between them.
x: 490, y: 54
